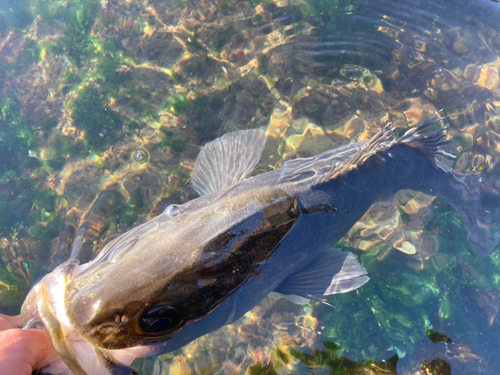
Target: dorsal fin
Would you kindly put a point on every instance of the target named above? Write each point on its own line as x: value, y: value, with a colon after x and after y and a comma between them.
x: 314, y: 167
x: 227, y: 160
x: 332, y: 163
x: 432, y: 144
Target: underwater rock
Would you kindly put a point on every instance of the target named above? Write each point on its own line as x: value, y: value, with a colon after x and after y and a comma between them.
x: 437, y: 337
x: 436, y: 367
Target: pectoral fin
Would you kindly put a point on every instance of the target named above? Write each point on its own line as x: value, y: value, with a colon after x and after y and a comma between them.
x: 227, y: 160
x: 331, y: 272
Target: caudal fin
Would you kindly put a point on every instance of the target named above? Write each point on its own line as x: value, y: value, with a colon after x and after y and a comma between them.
x: 475, y: 196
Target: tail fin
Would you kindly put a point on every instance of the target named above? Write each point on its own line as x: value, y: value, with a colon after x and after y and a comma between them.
x: 433, y: 144
x: 475, y: 196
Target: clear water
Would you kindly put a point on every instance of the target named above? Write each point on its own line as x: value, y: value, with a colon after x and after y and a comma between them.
x: 105, y: 104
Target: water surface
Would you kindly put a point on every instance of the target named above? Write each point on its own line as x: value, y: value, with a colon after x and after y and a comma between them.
x: 105, y: 105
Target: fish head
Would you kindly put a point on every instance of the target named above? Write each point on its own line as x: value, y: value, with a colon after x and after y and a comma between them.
x: 150, y: 284
x: 176, y: 270
x: 44, y: 308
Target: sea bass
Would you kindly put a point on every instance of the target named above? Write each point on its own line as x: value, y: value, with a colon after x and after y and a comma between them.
x: 203, y: 264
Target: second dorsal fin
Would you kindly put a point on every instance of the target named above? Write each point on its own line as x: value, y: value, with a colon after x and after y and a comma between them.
x: 227, y: 160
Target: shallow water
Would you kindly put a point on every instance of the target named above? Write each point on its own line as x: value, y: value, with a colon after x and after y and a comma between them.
x: 105, y: 105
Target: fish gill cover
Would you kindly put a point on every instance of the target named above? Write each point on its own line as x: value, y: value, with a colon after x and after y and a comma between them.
x: 104, y: 107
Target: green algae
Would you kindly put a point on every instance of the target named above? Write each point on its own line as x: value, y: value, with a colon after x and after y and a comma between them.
x: 222, y: 38
x: 29, y: 55
x: 76, y: 18
x: 17, y: 138
x: 47, y: 222
x: 15, y: 285
x: 91, y: 113
x: 57, y: 151
x: 259, y: 369
x: 436, y: 367
x: 28, y: 207
x: 130, y: 210
x: 31, y: 210
x: 192, y: 107
x: 319, y: 8
x: 340, y: 365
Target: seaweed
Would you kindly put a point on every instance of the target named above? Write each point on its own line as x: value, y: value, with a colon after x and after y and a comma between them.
x: 57, y: 151
x: 222, y: 38
x: 17, y: 138
x: 14, y: 285
x: 132, y: 209
x: 47, y: 223
x: 29, y: 54
x: 401, y: 307
x: 258, y: 369
x: 76, y: 18
x: 28, y: 208
x: 436, y: 367
x: 322, y: 8
x: 192, y: 107
x: 91, y: 113
x: 103, y: 83
x: 340, y: 365
x: 110, y: 58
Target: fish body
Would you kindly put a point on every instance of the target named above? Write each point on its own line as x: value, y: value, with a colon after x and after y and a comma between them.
x: 204, y: 264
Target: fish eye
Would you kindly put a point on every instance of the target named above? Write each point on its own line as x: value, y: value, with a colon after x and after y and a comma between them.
x: 160, y: 319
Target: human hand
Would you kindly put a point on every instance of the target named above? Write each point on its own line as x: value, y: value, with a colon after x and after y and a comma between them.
x: 23, y: 350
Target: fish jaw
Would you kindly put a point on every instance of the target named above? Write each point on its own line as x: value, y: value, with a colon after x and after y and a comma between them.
x: 45, y: 302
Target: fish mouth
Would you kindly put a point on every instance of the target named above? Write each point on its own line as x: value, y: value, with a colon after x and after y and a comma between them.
x: 45, y: 303
x: 45, y: 300
x: 106, y: 336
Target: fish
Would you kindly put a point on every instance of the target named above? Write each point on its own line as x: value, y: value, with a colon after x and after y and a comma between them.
x: 201, y: 265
